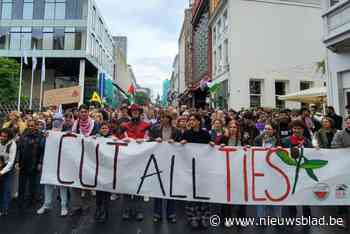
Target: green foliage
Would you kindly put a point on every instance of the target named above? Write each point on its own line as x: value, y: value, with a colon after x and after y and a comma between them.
x: 321, y: 66
x: 9, y: 80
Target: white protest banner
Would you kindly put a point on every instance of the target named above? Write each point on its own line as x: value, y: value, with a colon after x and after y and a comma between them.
x: 197, y: 172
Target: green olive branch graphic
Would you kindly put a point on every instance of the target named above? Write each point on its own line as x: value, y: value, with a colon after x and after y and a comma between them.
x: 302, y: 163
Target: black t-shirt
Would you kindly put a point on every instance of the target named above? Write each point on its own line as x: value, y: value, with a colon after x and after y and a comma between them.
x: 201, y: 136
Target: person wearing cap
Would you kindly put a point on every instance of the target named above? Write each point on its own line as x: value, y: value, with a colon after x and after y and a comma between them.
x: 49, y: 189
x: 164, y: 133
x: 134, y: 130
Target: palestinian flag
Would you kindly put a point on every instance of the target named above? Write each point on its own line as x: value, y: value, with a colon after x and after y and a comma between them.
x: 131, y: 89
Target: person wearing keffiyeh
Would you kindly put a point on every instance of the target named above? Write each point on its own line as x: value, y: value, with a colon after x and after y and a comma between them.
x: 86, y: 126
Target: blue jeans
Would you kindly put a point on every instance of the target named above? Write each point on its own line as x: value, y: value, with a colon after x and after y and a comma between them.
x: 158, y: 207
x: 49, y: 192
x: 6, y: 184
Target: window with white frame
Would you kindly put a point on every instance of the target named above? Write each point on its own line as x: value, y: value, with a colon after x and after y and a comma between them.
x: 255, y: 93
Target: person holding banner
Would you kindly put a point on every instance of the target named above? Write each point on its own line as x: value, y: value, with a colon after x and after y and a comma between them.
x: 232, y: 137
x: 325, y: 135
x: 165, y: 132
x: 86, y: 126
x: 197, y: 213
x: 294, y: 142
x: 342, y: 140
x: 268, y: 139
x: 102, y: 198
x: 8, y: 150
x: 135, y: 129
x: 48, y: 189
x: 181, y: 124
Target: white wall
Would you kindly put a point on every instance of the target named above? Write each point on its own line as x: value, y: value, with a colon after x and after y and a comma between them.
x: 272, y: 41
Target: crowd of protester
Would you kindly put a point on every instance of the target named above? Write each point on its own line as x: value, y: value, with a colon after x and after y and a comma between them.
x: 23, y: 138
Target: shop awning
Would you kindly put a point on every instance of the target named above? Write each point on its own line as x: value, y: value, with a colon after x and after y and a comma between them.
x: 313, y: 95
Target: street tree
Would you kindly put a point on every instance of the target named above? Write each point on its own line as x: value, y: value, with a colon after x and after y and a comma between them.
x: 9, y: 80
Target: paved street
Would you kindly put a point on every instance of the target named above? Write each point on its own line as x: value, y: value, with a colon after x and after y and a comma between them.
x: 30, y: 223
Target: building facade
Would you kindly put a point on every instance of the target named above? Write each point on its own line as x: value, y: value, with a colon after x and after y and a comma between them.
x: 336, y: 37
x: 174, y: 83
x: 257, y: 59
x: 71, y: 34
x: 200, y: 52
x: 122, y: 74
x: 165, y: 92
x: 121, y: 42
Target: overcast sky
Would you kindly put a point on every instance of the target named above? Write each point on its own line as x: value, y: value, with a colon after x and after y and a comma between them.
x: 152, y: 28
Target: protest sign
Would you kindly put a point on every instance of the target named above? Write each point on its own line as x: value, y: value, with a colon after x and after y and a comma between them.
x: 56, y: 97
x: 196, y: 172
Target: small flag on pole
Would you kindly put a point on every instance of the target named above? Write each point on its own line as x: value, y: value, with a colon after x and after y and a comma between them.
x: 34, y: 60
x: 96, y: 98
x: 131, y: 89
x: 43, y: 70
x: 25, y: 57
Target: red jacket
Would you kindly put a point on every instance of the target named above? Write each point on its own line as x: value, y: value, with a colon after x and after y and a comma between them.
x: 136, y: 130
